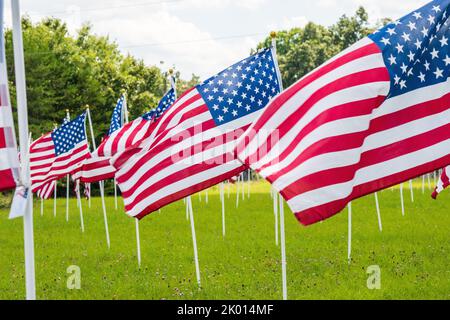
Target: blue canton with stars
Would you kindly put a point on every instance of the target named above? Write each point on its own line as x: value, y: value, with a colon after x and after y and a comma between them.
x: 117, y: 118
x: 416, y: 48
x: 166, y: 102
x: 69, y: 135
x: 242, y: 89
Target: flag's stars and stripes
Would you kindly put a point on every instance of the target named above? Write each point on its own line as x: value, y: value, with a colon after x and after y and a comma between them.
x: 376, y: 115
x: 192, y: 146
x: 58, y: 153
x: 117, y: 117
x: 98, y: 167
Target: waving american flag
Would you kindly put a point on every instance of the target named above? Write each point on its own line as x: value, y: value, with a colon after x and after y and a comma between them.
x: 58, y: 153
x: 376, y: 115
x: 191, y: 147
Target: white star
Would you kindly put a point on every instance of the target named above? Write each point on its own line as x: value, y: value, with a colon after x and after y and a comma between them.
x: 225, y: 110
x: 434, y: 54
x: 404, y: 68
x: 220, y: 118
x: 235, y: 113
x: 406, y: 37
x: 431, y: 19
x: 424, y: 31
x: 422, y: 77
x: 385, y: 41
x: 391, y: 31
x: 447, y: 60
x: 444, y: 41
x: 417, y: 15
x: 411, y: 56
x: 436, y: 9
x: 439, y: 73
x: 392, y: 60
x: 427, y: 66
x: 402, y: 84
x: 399, y: 48
x: 418, y: 44
x: 397, y: 79
x: 412, y: 26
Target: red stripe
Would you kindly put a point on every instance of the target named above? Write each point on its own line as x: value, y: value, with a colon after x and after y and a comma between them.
x: 2, y: 138
x: 328, y: 210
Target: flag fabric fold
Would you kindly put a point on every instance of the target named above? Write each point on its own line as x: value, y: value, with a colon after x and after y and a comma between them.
x: 192, y: 145
x: 374, y: 116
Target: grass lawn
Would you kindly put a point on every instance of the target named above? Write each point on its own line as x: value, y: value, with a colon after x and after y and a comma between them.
x: 413, y: 252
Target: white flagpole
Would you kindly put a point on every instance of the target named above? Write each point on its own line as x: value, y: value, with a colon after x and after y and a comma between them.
x: 429, y: 182
x: 42, y: 207
x: 423, y: 184
x: 380, y: 226
x: 349, y: 246
x: 54, y: 199
x: 102, y: 190
x: 402, y: 201
x: 228, y: 188
x: 273, y: 35
x: 80, y: 205
x: 248, y: 183
x: 116, y: 206
x: 237, y: 192
x: 194, y: 240
x: 222, y: 198
x: 411, y: 189
x: 243, y: 186
x: 138, y: 242
x: 275, y: 213
x: 68, y: 180
x: 24, y: 148
x: 206, y: 196
x: 138, y: 237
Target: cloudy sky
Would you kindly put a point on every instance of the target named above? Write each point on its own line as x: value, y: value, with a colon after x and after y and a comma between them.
x: 200, y: 36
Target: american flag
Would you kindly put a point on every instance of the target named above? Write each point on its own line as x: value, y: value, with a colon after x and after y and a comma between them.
x: 191, y: 147
x: 58, y: 153
x: 98, y: 168
x: 376, y: 115
x: 443, y: 183
x: 9, y: 160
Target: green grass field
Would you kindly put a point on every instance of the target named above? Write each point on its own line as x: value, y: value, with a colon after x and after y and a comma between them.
x: 412, y: 252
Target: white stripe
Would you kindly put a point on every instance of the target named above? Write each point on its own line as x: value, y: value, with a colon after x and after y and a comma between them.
x: 335, y: 192
x: 299, y: 98
x: 5, y: 117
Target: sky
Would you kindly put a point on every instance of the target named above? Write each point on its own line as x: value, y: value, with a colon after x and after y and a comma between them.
x: 200, y: 36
